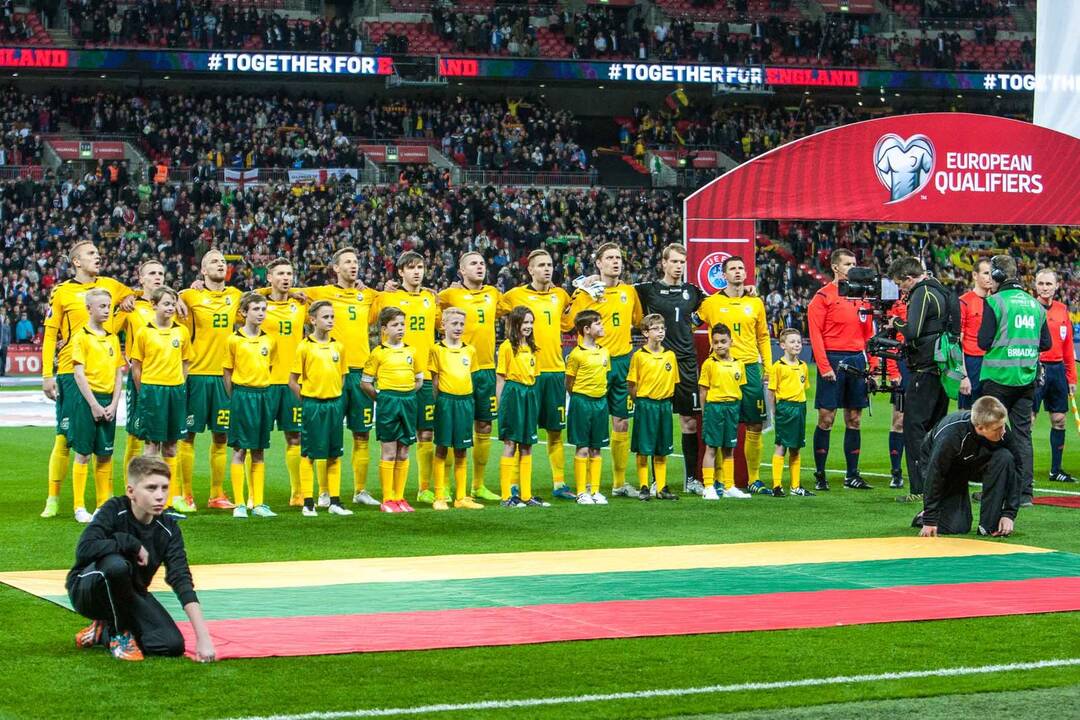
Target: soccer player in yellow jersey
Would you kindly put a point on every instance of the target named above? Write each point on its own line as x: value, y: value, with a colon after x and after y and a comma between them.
x: 587, y: 369
x: 126, y: 323
x: 250, y: 356
x: 453, y: 368
x: 620, y: 310
x: 96, y: 359
x: 744, y: 315
x: 481, y: 305
x: 548, y: 305
x: 67, y: 315
x: 392, y: 378
x: 352, y: 302
x: 284, y: 322
x: 211, y: 317
x: 789, y: 377
x: 651, y: 381
x: 160, y: 359
x: 421, y: 308
x: 317, y: 380
x: 516, y: 375
x: 721, y: 382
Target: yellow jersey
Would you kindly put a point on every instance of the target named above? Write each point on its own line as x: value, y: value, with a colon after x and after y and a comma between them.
x: 320, y: 368
x: 285, y: 324
x: 789, y: 382
x: 549, y: 321
x: 100, y: 356
x: 520, y: 367
x: 589, y: 368
x: 352, y: 324
x: 620, y: 312
x: 723, y: 378
x: 129, y: 323
x: 454, y: 367
x: 481, y: 311
x: 162, y: 354
x: 392, y: 368
x: 745, y: 317
x: 250, y: 358
x: 654, y: 374
x: 211, y: 317
x: 421, y: 314
x: 67, y: 315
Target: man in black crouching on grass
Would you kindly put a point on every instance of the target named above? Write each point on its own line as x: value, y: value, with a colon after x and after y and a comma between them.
x: 115, y: 561
x: 971, y: 445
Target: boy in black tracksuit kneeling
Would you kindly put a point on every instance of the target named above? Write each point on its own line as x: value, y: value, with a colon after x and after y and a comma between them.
x: 115, y: 561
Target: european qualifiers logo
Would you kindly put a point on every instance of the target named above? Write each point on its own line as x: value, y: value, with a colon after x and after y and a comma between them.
x: 904, y: 167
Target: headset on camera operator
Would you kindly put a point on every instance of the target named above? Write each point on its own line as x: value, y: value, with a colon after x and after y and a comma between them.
x: 931, y: 311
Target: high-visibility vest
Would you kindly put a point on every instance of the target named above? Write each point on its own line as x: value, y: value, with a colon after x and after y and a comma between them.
x: 1013, y: 359
x: 161, y: 174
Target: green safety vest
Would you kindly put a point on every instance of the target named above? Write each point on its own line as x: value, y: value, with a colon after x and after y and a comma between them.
x: 1013, y: 359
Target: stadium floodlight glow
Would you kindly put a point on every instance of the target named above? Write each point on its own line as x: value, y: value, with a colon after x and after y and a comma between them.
x: 860, y: 103
x: 959, y: 96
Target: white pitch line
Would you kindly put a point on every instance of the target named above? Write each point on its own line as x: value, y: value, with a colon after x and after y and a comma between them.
x: 671, y: 692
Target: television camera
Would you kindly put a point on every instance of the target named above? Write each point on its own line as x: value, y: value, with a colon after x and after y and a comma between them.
x: 878, y: 294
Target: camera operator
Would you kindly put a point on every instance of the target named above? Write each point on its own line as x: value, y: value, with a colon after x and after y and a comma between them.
x: 931, y: 311
x: 971, y: 446
x: 1013, y: 332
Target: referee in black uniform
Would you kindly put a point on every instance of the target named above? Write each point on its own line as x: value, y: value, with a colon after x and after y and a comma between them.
x: 677, y: 301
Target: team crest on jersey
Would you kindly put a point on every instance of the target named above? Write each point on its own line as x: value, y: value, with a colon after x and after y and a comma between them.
x: 1063, y: 331
x: 409, y: 359
x: 667, y: 366
x: 465, y: 361
x: 747, y: 310
x: 622, y: 297
x: 228, y: 301
x: 554, y: 300
x: 110, y: 352
x: 426, y: 303
x: 605, y: 362
x: 335, y: 357
x: 802, y: 379
x: 685, y: 294
x: 264, y: 351
x: 292, y: 307
x: 175, y: 343
x: 738, y: 375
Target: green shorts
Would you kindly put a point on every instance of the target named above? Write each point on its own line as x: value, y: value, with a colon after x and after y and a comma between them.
x: 66, y: 392
x: 163, y: 415
x: 207, y: 403
x: 720, y: 424
x: 284, y: 408
x: 790, y: 424
x: 425, y: 407
x: 395, y: 417
x: 485, y: 402
x: 454, y: 415
x: 321, y: 430
x: 588, y: 426
x: 752, y: 406
x: 519, y: 409
x: 131, y: 405
x: 652, y: 431
x: 550, y: 389
x: 250, y: 420
x: 618, y: 396
x: 88, y: 436
x: 359, y: 408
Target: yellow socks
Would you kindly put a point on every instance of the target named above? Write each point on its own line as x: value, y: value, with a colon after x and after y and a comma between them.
x: 236, y: 474
x: 643, y: 470
x: 461, y: 477
x: 361, y: 458
x: 333, y: 477
x: 425, y: 453
x: 525, y: 477
x: 307, y: 478
x: 507, y: 470
x: 777, y: 470
x: 401, y: 475
x: 727, y: 472
x: 595, y: 466
x: 174, y: 477
x: 219, y: 455
x: 321, y: 476
x: 581, y: 474
x: 752, y: 451
x: 79, y: 473
x: 103, y: 487
x: 439, y: 470
x: 258, y: 482
x: 292, y: 464
x: 133, y: 448
x: 58, y: 464
x: 659, y: 466
x: 480, y: 453
x: 620, y: 454
x: 708, y: 476
x: 556, y: 457
x: 795, y: 463
x: 185, y: 463
x: 386, y: 479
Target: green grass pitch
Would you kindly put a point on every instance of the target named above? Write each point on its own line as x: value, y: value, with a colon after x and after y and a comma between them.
x: 43, y: 675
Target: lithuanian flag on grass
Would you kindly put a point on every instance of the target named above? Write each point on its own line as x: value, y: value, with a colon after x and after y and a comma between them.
x: 419, y: 603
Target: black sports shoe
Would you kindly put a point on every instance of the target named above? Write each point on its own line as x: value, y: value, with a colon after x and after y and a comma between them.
x: 897, y: 482
x: 778, y: 492
x: 1062, y: 476
x: 801, y: 492
x: 820, y: 483
x: 644, y: 494
x: 536, y: 501
x: 855, y: 482
x: 666, y: 494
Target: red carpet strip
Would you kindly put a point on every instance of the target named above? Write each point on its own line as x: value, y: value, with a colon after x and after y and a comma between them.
x: 1072, y: 501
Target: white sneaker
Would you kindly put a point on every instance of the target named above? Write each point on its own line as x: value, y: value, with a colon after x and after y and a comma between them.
x: 82, y: 516
x: 599, y: 499
x: 696, y: 487
x: 626, y: 491
x: 263, y: 511
x: 308, y: 512
x: 338, y: 510
x: 709, y: 493
x: 585, y: 499
x: 734, y: 492
x: 240, y: 511
x: 364, y: 498
x: 323, y: 501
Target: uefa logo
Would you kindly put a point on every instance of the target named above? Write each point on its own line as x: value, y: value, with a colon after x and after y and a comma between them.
x: 710, y: 272
x: 904, y: 167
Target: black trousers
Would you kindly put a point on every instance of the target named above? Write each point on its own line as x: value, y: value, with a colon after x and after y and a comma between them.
x: 1000, y: 489
x: 1019, y: 401
x: 925, y: 403
x: 104, y: 591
